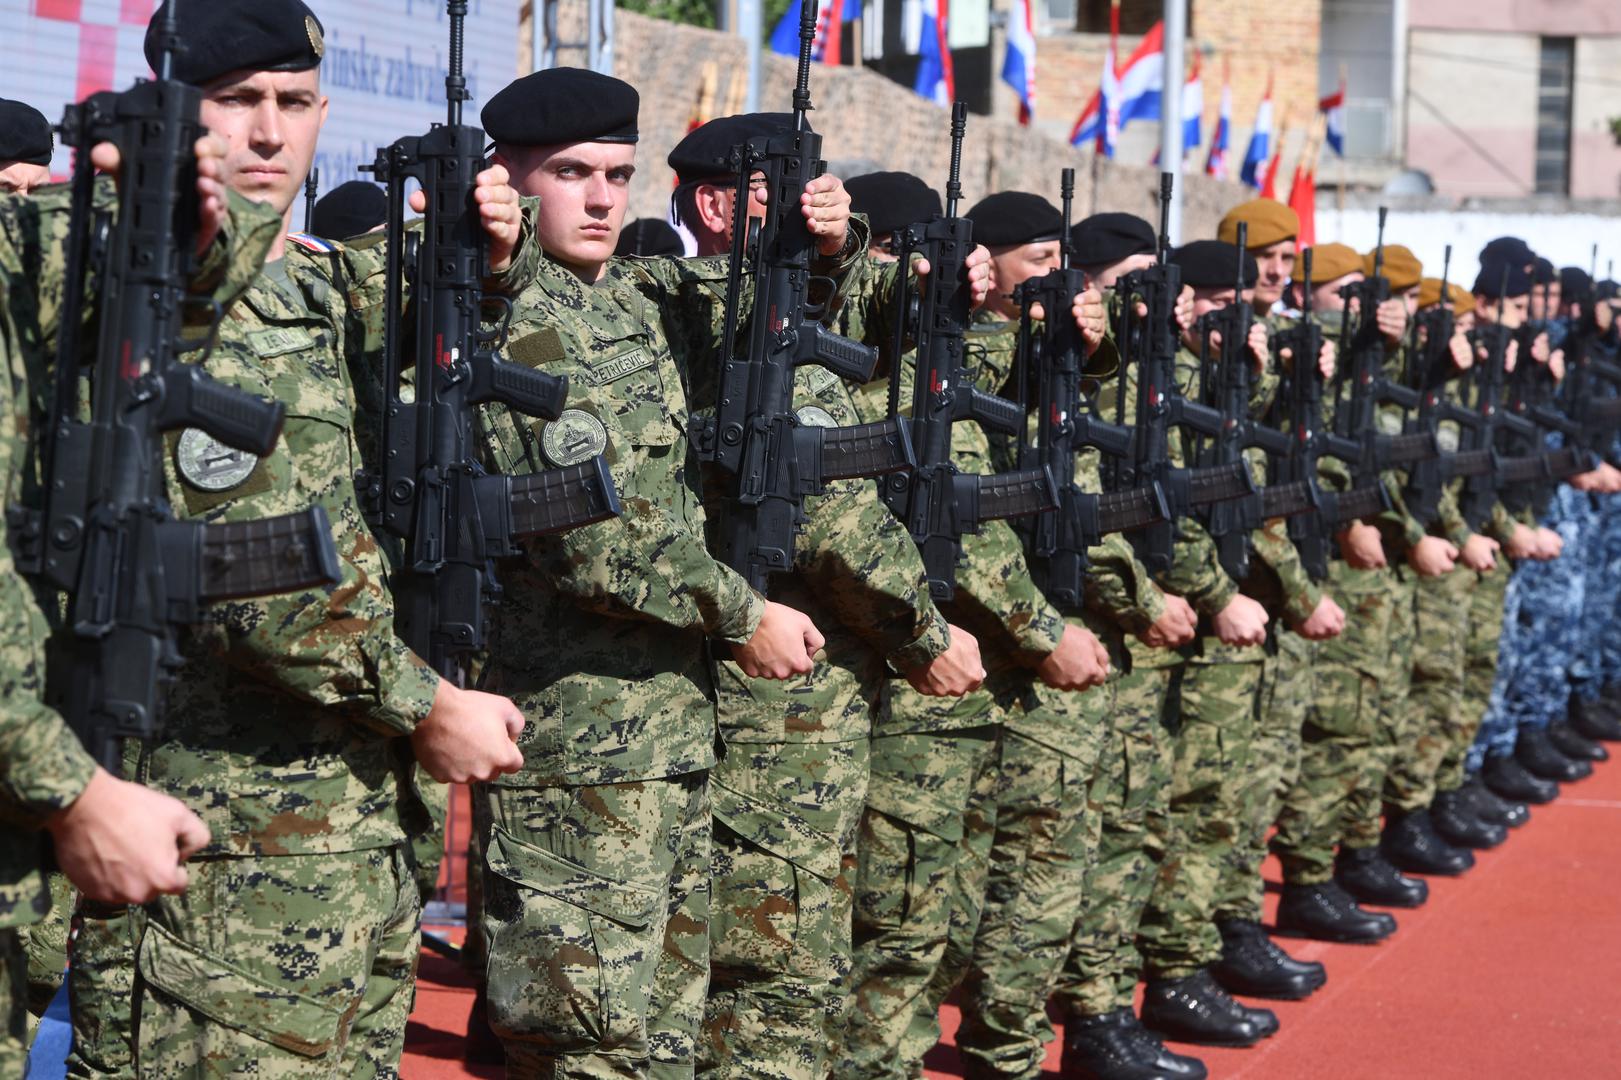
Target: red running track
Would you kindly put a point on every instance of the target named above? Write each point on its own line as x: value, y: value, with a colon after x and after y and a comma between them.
x: 1510, y: 971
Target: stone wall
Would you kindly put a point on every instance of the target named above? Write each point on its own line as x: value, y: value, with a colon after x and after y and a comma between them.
x: 865, y: 118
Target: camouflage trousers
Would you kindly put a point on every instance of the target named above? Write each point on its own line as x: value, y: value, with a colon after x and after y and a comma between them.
x: 296, y: 966
x: 1340, y: 739
x: 1435, y: 694
x: 1130, y: 796
x: 779, y: 924
x: 1544, y: 637
x: 1282, y: 703
x: 101, y: 990
x: 1489, y: 613
x: 596, y: 913
x: 1212, y: 712
x: 13, y: 1004
x: 1042, y: 854
x: 922, y: 854
x: 1398, y: 723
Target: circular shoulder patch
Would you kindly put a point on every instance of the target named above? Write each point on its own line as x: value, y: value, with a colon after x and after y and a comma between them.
x: 573, y: 437
x: 1446, y: 437
x: 815, y: 416
x: 208, y: 464
x: 1388, y: 422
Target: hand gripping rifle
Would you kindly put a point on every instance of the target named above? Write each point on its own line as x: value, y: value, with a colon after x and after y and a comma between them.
x: 429, y: 489
x: 1363, y: 366
x: 937, y: 503
x: 1294, y: 476
x: 105, y: 534
x: 1231, y: 521
x: 1056, y: 541
x: 1480, y: 466
x: 767, y: 459
x: 1429, y: 368
x: 1154, y: 339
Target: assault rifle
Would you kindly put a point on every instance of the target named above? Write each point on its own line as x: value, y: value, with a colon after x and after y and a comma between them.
x: 1362, y: 366
x: 1293, y: 476
x: 1065, y: 423
x: 106, y: 535
x: 1153, y: 338
x: 1480, y: 466
x: 937, y: 503
x: 427, y: 487
x: 1429, y: 369
x: 767, y: 460
x: 1225, y: 380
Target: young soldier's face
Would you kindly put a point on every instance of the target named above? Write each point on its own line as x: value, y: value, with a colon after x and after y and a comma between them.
x: 584, y: 190
x: 1509, y: 313
x: 1325, y: 295
x: 270, y: 121
x: 1015, y: 264
x: 1206, y: 300
x: 1545, y: 302
x: 1277, y: 266
x: 19, y: 177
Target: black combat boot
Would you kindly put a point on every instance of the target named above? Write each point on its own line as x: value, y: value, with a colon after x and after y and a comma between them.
x: 1253, y: 965
x: 1370, y: 879
x: 1326, y: 912
x: 1508, y: 779
x: 1197, y: 1010
x: 1410, y: 843
x: 1491, y: 807
x: 1534, y: 750
x: 1116, y: 1046
x: 1597, y: 719
x: 1574, y: 745
x: 1456, y: 822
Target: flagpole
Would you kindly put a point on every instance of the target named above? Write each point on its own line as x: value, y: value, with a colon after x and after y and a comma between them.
x: 1170, y: 108
x: 749, y: 25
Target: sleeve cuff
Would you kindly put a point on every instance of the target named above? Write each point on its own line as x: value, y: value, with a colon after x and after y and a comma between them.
x: 46, y: 767
x: 1040, y: 636
x: 740, y: 626
x: 1214, y: 602
x: 923, y: 649
x: 408, y: 687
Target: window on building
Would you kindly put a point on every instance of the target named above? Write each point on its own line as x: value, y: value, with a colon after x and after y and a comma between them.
x: 1555, y: 79
x: 1092, y: 16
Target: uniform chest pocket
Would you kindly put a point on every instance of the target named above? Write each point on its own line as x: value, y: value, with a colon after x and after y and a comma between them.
x: 635, y: 383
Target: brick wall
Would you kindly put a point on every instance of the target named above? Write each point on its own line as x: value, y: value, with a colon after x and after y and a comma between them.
x: 865, y: 117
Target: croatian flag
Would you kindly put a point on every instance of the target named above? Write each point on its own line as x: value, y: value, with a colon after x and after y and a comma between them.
x: 1131, y: 92
x: 1216, y: 164
x: 1019, y: 65
x: 1192, y: 108
x: 1333, y: 108
x: 1260, y: 147
x: 934, y: 77
x: 831, y: 15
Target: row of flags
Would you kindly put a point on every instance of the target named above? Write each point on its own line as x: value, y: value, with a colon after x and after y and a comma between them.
x: 1127, y: 91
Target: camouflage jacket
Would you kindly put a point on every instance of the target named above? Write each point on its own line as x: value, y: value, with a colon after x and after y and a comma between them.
x: 43, y: 766
x: 604, y: 635
x: 996, y: 599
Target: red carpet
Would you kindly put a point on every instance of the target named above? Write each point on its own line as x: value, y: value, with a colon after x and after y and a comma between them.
x: 1508, y: 972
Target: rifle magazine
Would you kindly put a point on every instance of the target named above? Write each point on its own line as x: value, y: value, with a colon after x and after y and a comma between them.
x: 241, y: 559
x: 560, y: 499
x: 1219, y: 483
x: 1015, y: 494
x: 876, y: 449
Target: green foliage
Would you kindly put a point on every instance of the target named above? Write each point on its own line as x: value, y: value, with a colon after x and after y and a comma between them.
x: 691, y: 12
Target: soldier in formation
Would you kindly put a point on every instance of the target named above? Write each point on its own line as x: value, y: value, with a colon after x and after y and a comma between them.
x: 744, y: 830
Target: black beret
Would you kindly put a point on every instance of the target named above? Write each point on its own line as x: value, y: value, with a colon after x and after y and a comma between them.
x: 706, y: 152
x: 1213, y: 264
x: 649, y: 236
x: 1606, y: 290
x: 1107, y: 238
x: 1490, y: 281
x: 25, y: 134
x: 1574, y: 283
x: 892, y: 200
x: 1015, y: 217
x: 1508, y: 247
x: 223, y: 36
x: 562, y: 105
x: 350, y: 209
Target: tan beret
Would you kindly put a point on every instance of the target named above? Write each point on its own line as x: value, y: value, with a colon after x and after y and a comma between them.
x: 1429, y: 294
x: 1402, y: 267
x: 1269, y: 221
x: 1330, y: 261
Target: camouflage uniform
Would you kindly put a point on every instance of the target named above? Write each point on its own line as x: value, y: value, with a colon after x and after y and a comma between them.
x: 791, y: 781
x: 923, y: 845
x: 1214, y: 703
x: 599, y: 850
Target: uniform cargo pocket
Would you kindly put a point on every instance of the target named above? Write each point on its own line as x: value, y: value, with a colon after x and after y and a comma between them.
x: 230, y: 996
x: 572, y: 953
